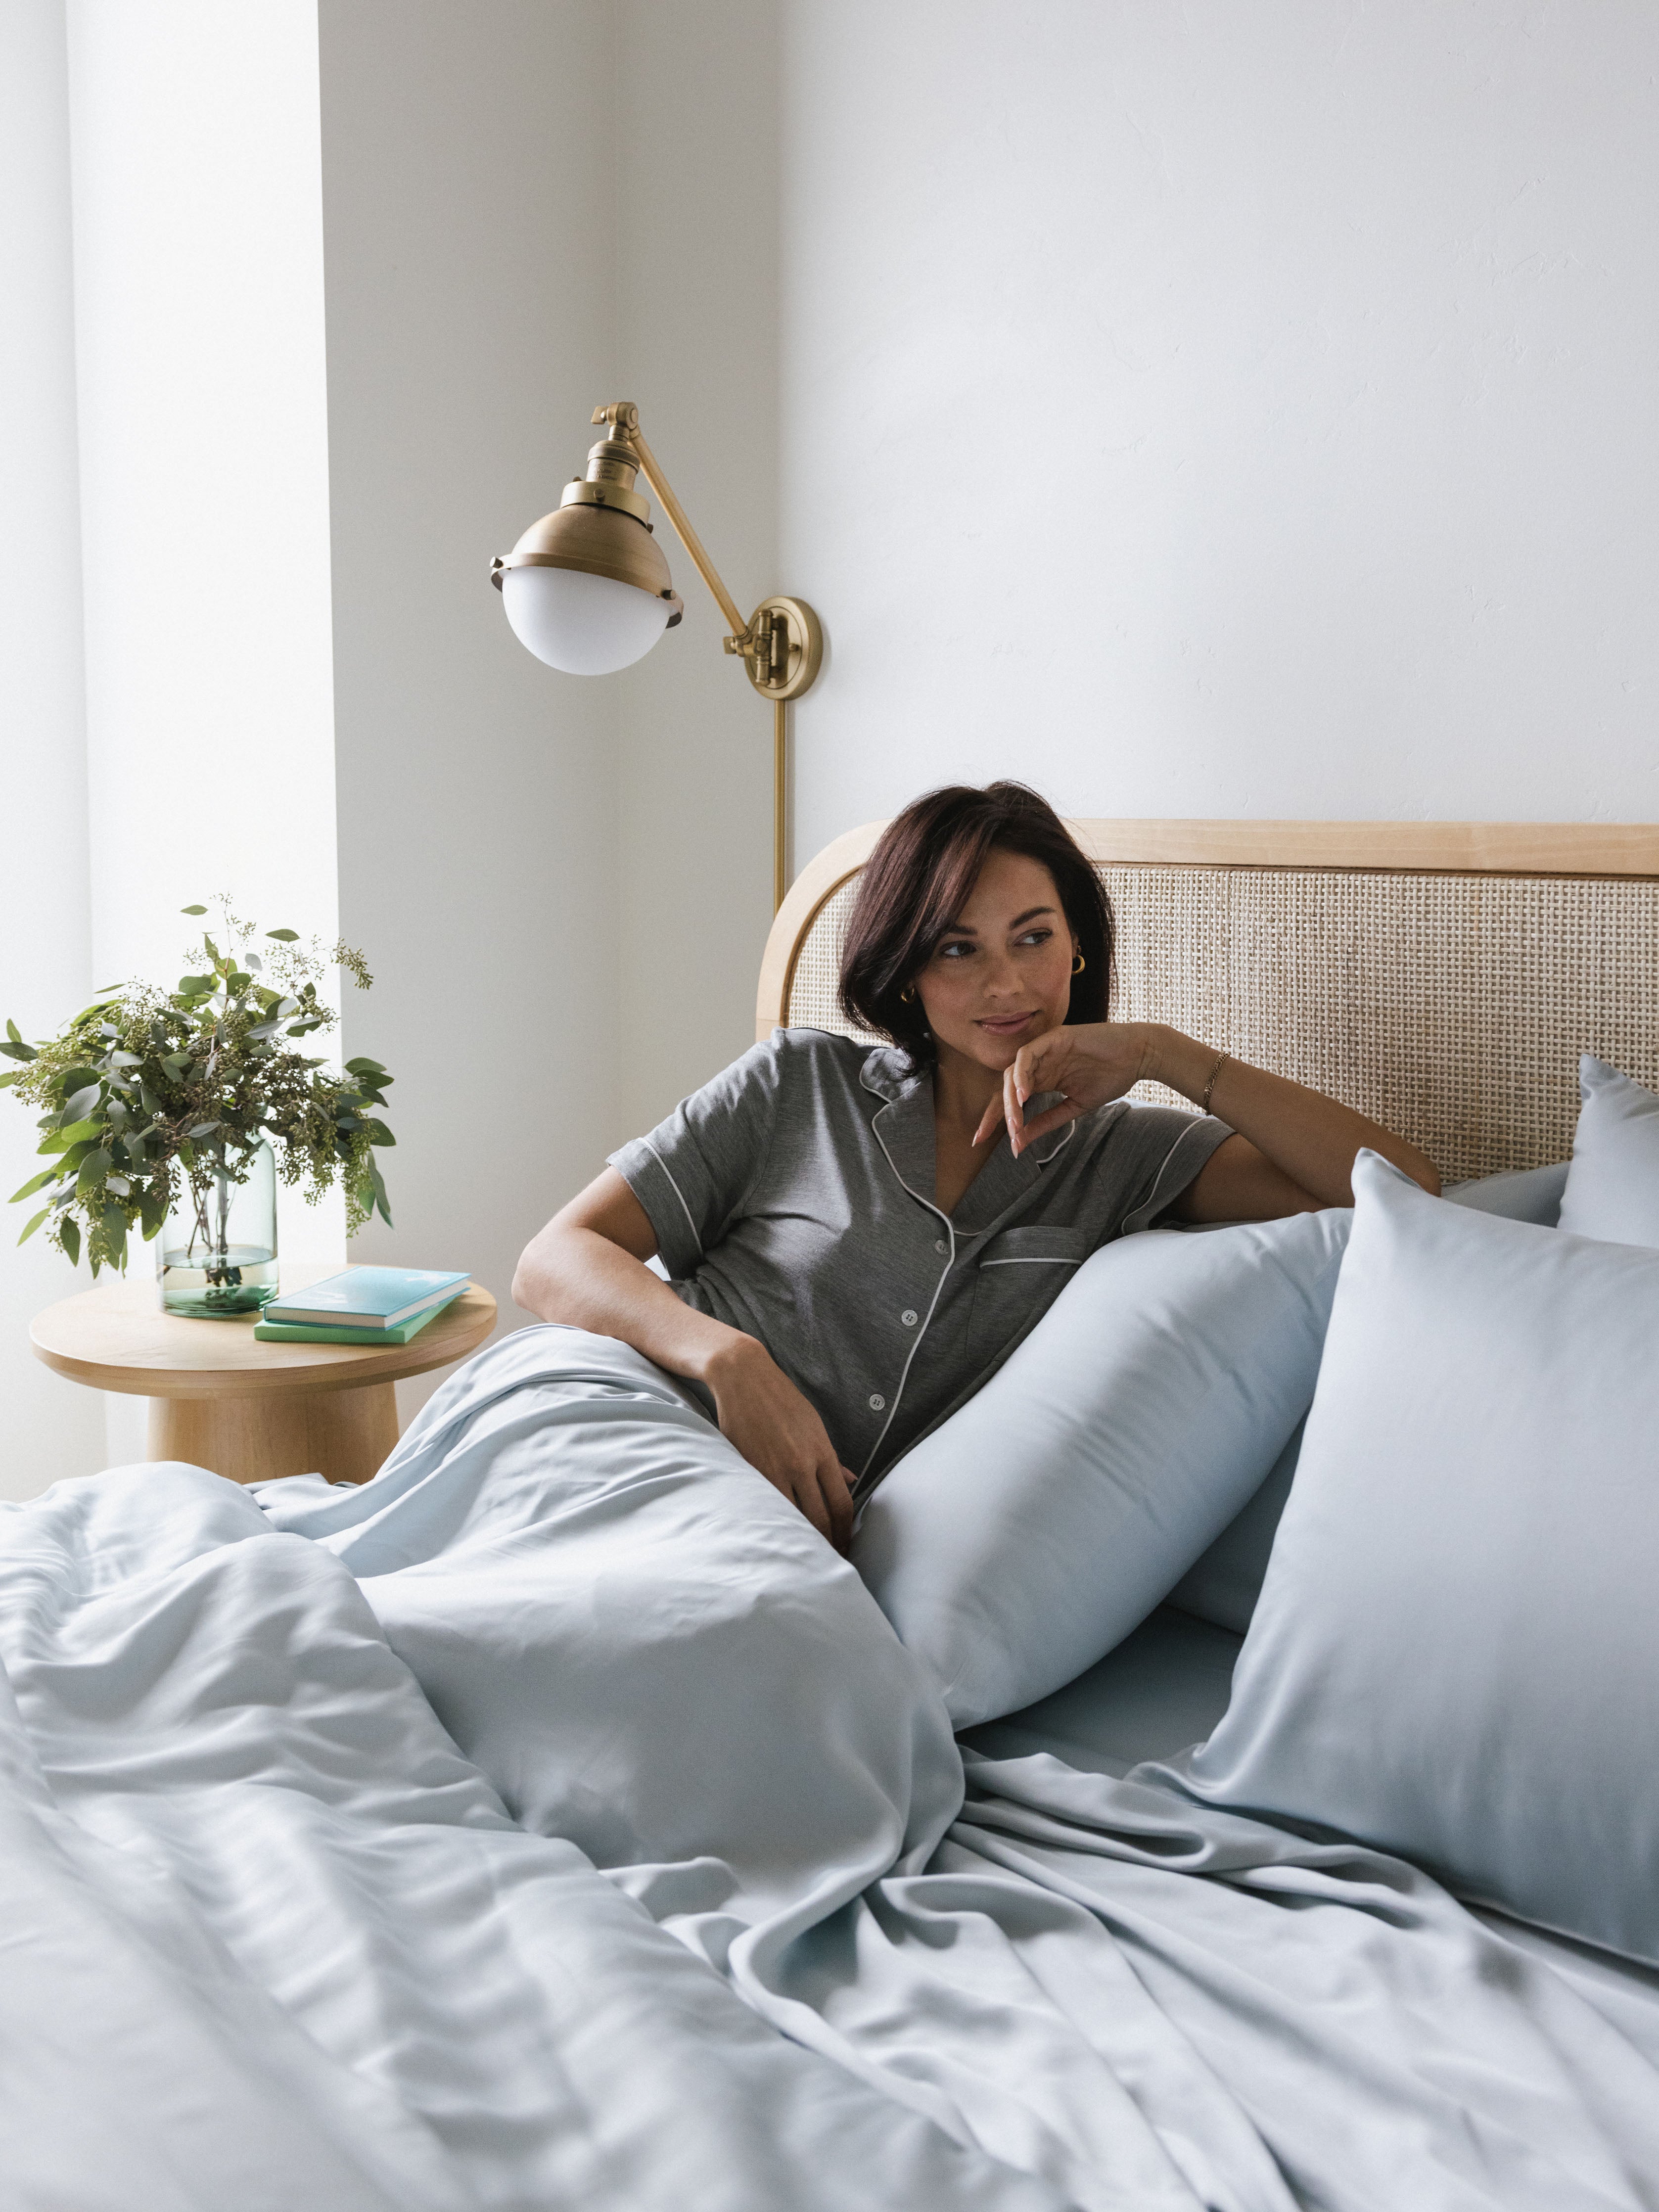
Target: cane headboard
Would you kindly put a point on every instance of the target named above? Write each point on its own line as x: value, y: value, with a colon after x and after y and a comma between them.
x: 1442, y: 976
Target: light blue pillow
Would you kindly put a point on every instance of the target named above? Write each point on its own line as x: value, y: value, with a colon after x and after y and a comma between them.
x: 1225, y: 1584
x: 1030, y: 1532
x: 1456, y: 1657
x: 1521, y: 1194
x: 1612, y: 1185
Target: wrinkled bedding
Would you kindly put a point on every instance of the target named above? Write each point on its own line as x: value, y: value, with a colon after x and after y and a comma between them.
x: 556, y: 1820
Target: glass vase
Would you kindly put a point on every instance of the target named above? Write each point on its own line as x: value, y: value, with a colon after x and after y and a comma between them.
x: 217, y: 1256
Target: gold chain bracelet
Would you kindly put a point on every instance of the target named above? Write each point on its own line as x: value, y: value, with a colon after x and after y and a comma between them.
x: 1221, y: 1060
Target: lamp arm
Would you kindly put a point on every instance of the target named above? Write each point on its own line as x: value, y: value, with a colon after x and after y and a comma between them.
x: 781, y: 643
x: 651, y: 469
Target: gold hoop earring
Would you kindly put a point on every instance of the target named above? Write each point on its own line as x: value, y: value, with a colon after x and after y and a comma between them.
x: 1079, y: 963
x: 909, y: 994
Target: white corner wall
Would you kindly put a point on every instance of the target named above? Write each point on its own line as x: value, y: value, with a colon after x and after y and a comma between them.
x: 1221, y: 411
x: 166, y: 546
x: 696, y: 347
x: 46, y: 961
x: 469, y: 218
x: 203, y: 470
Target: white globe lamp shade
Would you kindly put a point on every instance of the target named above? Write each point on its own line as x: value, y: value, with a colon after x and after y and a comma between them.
x: 585, y: 624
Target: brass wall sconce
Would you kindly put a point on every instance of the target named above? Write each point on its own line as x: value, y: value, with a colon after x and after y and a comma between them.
x: 587, y: 590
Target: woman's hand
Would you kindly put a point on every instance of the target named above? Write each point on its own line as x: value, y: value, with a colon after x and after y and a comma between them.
x: 1088, y: 1065
x: 780, y: 1433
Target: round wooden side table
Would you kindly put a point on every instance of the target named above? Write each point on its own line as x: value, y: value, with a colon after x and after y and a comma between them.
x: 221, y: 1400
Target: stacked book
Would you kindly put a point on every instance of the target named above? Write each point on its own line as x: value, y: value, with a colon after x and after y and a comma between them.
x: 364, y: 1305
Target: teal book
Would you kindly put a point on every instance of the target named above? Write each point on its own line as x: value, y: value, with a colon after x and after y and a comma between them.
x: 372, y: 1298
x: 301, y: 1331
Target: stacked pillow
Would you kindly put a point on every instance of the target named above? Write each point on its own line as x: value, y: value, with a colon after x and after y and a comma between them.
x: 1614, y: 1179
x: 1455, y: 1655
x: 1613, y: 1186
x: 1223, y: 1585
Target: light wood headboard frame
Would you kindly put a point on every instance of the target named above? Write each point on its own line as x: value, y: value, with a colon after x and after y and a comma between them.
x: 1516, y: 941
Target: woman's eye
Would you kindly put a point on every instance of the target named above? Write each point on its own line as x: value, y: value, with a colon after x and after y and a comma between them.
x: 1036, y: 937
x: 956, y: 952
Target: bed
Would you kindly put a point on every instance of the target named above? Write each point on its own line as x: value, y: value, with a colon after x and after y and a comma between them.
x: 555, y: 1820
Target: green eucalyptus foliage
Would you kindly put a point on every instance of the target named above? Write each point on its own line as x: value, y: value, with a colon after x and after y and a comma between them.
x: 145, y: 1092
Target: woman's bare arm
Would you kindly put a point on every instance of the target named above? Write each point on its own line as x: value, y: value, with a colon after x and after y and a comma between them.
x: 586, y: 1269
x: 1294, y: 1149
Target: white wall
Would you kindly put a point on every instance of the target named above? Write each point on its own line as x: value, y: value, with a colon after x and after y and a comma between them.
x: 1221, y: 411
x: 203, y: 452
x: 46, y: 962
x: 471, y: 249
x: 471, y: 304
x: 204, y: 469
x: 696, y: 347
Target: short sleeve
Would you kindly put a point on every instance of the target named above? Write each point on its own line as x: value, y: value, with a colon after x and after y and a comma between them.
x: 1167, y: 1150
x: 692, y: 1173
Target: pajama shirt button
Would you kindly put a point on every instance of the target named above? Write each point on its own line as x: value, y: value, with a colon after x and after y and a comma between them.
x: 941, y: 1246
x: 877, y: 1401
x: 909, y: 1316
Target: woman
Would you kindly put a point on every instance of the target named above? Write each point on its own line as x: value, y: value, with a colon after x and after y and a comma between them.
x: 858, y: 1238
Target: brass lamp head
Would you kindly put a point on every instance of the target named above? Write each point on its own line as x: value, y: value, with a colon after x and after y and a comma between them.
x: 600, y: 527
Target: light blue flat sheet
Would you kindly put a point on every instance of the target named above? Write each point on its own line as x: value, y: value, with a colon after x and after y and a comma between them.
x: 271, y: 1943
x: 1164, y: 1688
x: 1133, y: 1999
x: 314, y: 1948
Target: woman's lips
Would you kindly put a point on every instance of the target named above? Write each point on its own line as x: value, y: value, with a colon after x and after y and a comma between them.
x: 1005, y: 1024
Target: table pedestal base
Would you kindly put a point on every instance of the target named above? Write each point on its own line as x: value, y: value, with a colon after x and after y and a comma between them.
x: 345, y: 1435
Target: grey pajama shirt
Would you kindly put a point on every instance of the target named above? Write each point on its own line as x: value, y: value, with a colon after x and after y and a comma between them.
x: 793, y: 1198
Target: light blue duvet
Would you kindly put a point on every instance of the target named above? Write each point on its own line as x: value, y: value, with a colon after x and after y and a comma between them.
x: 275, y: 1936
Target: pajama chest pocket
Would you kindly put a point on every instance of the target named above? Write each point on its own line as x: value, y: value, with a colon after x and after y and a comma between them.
x: 1020, y: 1274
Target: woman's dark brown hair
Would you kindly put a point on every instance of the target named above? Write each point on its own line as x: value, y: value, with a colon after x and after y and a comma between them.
x: 920, y: 875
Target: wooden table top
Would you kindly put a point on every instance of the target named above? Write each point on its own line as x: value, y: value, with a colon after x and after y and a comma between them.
x: 116, y: 1337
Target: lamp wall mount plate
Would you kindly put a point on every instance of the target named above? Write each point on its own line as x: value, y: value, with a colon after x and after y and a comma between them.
x: 783, y: 646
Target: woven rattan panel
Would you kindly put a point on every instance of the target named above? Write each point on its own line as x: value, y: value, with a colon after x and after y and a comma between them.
x: 811, y: 1003
x: 1451, y: 1008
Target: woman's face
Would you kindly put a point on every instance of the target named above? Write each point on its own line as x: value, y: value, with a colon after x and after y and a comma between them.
x: 1002, y: 972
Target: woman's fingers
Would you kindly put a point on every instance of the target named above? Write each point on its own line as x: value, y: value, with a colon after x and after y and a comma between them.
x: 840, y: 1487
x: 808, y: 1495
x: 1055, y: 1117
x: 823, y: 1494
x: 1039, y: 1066
x: 1036, y: 1067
